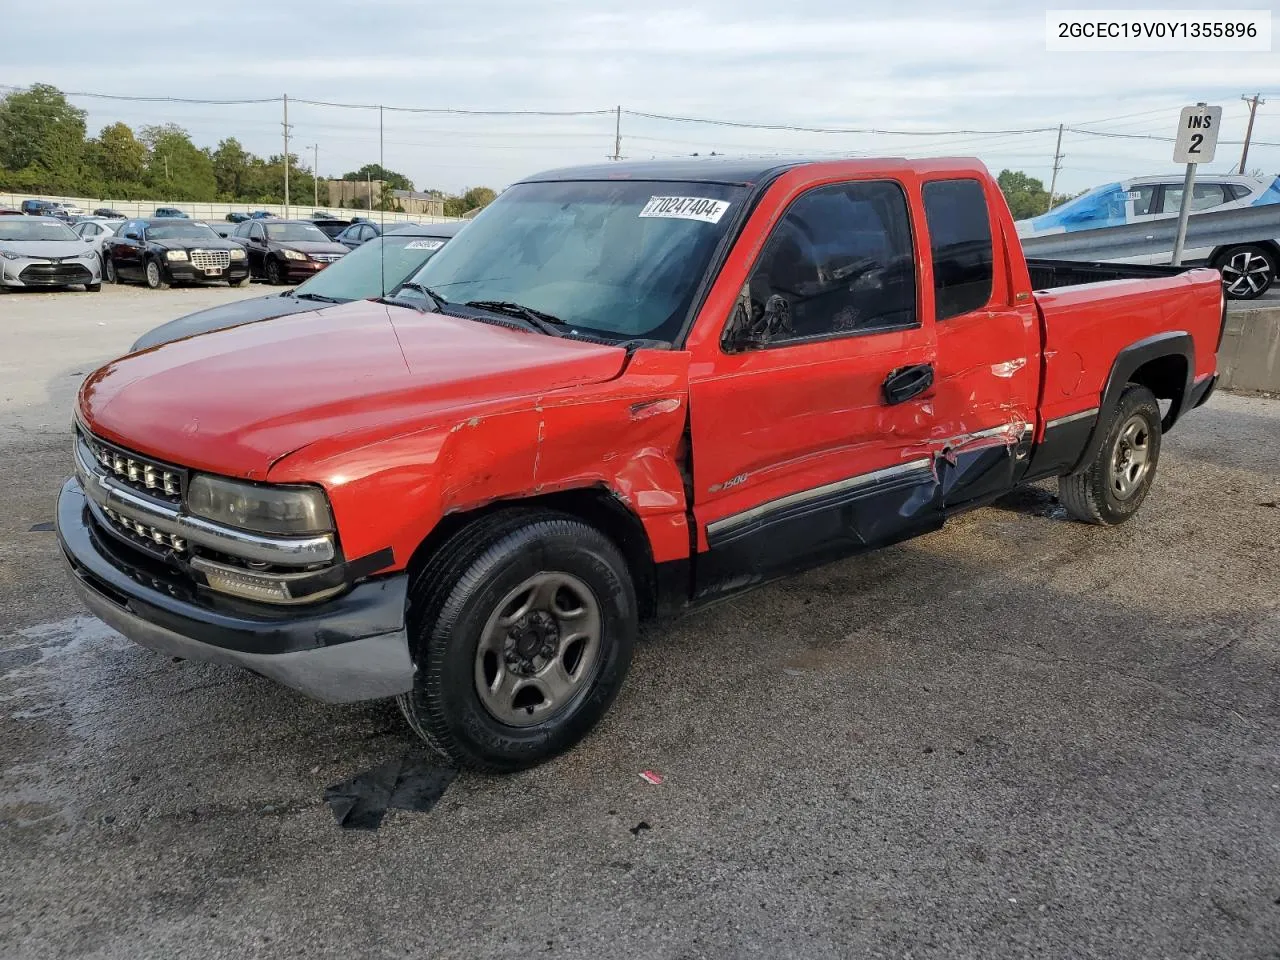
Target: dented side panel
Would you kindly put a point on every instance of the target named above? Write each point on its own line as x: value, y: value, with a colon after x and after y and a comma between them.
x: 622, y: 435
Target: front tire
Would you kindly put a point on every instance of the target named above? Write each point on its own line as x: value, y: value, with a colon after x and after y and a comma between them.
x: 1111, y: 488
x: 245, y: 282
x: 155, y: 276
x: 521, y: 627
x: 109, y: 271
x: 1248, y: 271
x: 93, y: 287
x: 272, y: 270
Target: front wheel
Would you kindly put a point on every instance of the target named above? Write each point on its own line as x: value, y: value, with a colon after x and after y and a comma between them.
x: 272, y: 270
x: 93, y: 287
x: 109, y: 271
x: 521, y: 628
x: 1248, y: 271
x: 155, y: 276
x: 1112, y: 486
x: 244, y: 282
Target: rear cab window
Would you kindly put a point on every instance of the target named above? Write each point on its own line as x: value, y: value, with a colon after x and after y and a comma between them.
x: 960, y: 242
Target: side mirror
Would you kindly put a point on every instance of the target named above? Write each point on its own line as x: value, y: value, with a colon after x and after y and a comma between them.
x: 753, y: 328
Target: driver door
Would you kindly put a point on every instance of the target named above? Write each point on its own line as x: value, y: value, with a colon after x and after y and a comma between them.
x: 817, y: 440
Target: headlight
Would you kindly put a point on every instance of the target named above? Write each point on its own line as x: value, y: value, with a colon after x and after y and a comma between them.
x: 10, y: 255
x: 175, y: 255
x: 293, y: 255
x: 288, y: 510
x: 237, y: 254
x: 87, y: 255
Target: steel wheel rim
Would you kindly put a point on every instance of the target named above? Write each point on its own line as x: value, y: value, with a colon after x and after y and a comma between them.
x: 153, y: 274
x: 1246, y: 274
x: 1130, y: 458
x: 539, y: 650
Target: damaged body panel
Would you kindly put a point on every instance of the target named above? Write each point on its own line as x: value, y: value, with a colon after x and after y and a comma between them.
x: 620, y: 390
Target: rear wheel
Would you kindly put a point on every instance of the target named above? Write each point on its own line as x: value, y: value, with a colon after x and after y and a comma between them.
x: 521, y: 627
x: 1248, y: 271
x: 1111, y: 488
x: 155, y: 276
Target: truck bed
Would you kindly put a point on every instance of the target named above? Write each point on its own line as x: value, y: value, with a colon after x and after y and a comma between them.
x: 1048, y: 274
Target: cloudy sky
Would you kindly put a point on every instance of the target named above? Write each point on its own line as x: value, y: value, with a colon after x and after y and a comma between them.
x: 924, y: 66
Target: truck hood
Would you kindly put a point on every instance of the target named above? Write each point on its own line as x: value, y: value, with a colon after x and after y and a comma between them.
x: 237, y: 400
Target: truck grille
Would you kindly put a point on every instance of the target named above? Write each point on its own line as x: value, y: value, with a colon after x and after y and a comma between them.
x: 146, y: 534
x: 155, y: 479
x: 210, y: 259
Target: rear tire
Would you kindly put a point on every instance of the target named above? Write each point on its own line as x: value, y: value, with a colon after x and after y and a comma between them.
x: 1111, y: 487
x: 521, y: 627
x: 1248, y: 271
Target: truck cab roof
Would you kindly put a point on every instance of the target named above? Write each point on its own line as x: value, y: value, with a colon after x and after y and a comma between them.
x: 738, y: 171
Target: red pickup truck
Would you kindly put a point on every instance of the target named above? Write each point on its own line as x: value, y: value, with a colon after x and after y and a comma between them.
x: 621, y: 389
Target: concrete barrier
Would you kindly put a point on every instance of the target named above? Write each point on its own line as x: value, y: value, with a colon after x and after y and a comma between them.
x: 1249, y: 359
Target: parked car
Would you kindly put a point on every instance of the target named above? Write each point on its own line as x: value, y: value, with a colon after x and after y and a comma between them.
x: 64, y: 211
x: 331, y: 228
x: 262, y: 215
x: 44, y: 252
x: 622, y: 389
x: 95, y: 231
x: 9, y: 212
x: 377, y: 269
x: 360, y: 231
x: 237, y: 217
x: 37, y: 208
x: 321, y: 215
x: 164, y: 251
x: 282, y: 251
x: 169, y: 213
x: 1248, y: 269
x: 108, y: 214
x: 223, y: 228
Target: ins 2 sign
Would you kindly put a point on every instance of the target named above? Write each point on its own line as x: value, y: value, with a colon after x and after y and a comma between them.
x: 1197, y: 134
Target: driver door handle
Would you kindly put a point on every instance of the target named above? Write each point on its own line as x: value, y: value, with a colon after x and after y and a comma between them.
x: 907, y: 382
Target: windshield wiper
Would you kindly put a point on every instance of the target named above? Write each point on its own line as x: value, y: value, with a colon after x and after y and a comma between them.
x: 320, y: 297
x: 422, y: 288
x: 544, y: 322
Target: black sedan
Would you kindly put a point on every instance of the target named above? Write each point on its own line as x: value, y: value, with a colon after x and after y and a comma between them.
x: 159, y: 252
x: 283, y: 251
x: 376, y: 269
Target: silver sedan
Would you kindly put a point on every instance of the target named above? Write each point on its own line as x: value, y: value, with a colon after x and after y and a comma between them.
x: 45, y: 252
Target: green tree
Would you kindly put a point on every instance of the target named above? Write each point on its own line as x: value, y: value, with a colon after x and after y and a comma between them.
x: 374, y: 171
x: 176, y: 167
x: 1025, y: 195
x: 117, y: 162
x: 43, y: 135
x: 231, y: 163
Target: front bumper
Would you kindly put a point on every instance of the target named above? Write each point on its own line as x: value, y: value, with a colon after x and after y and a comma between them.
x: 40, y: 272
x: 353, y: 647
x: 181, y: 271
x: 299, y: 270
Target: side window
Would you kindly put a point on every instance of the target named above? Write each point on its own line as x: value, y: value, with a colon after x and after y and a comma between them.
x: 960, y: 240
x: 1143, y: 199
x: 840, y: 261
x: 1238, y: 191
x: 257, y: 232
x: 1203, y: 196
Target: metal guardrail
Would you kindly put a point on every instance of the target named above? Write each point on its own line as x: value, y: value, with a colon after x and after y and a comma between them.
x: 1154, y: 238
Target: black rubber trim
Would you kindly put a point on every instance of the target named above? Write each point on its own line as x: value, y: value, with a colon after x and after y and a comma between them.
x: 1175, y: 343
x: 148, y: 591
x: 1060, y: 450
x: 1201, y: 392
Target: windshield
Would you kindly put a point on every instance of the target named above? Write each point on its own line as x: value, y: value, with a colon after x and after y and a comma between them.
x: 12, y: 228
x: 373, y: 269
x: 181, y: 230
x: 295, y: 232
x: 618, y: 259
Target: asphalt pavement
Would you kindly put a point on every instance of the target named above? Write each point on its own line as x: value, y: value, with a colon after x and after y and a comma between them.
x: 1018, y: 737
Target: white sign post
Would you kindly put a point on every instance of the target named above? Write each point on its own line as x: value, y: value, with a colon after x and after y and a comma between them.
x: 1197, y: 138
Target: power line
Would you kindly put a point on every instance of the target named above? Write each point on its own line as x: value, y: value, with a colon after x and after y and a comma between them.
x: 804, y: 129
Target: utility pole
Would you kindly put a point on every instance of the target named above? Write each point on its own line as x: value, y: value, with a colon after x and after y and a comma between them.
x: 617, y: 134
x: 166, y: 168
x: 1057, y: 165
x: 315, y: 173
x: 382, y: 167
x: 286, y: 156
x: 1248, y: 133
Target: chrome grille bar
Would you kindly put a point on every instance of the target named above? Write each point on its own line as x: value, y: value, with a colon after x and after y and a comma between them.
x: 209, y: 259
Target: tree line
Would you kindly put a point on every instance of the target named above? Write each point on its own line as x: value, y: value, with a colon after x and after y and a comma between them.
x: 45, y: 148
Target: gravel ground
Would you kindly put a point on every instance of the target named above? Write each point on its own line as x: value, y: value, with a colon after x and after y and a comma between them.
x: 1018, y: 737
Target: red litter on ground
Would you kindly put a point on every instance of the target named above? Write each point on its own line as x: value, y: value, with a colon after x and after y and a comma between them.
x: 651, y: 777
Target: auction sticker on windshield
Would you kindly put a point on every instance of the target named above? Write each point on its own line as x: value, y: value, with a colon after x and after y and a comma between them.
x: 686, y: 208
x: 424, y: 245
